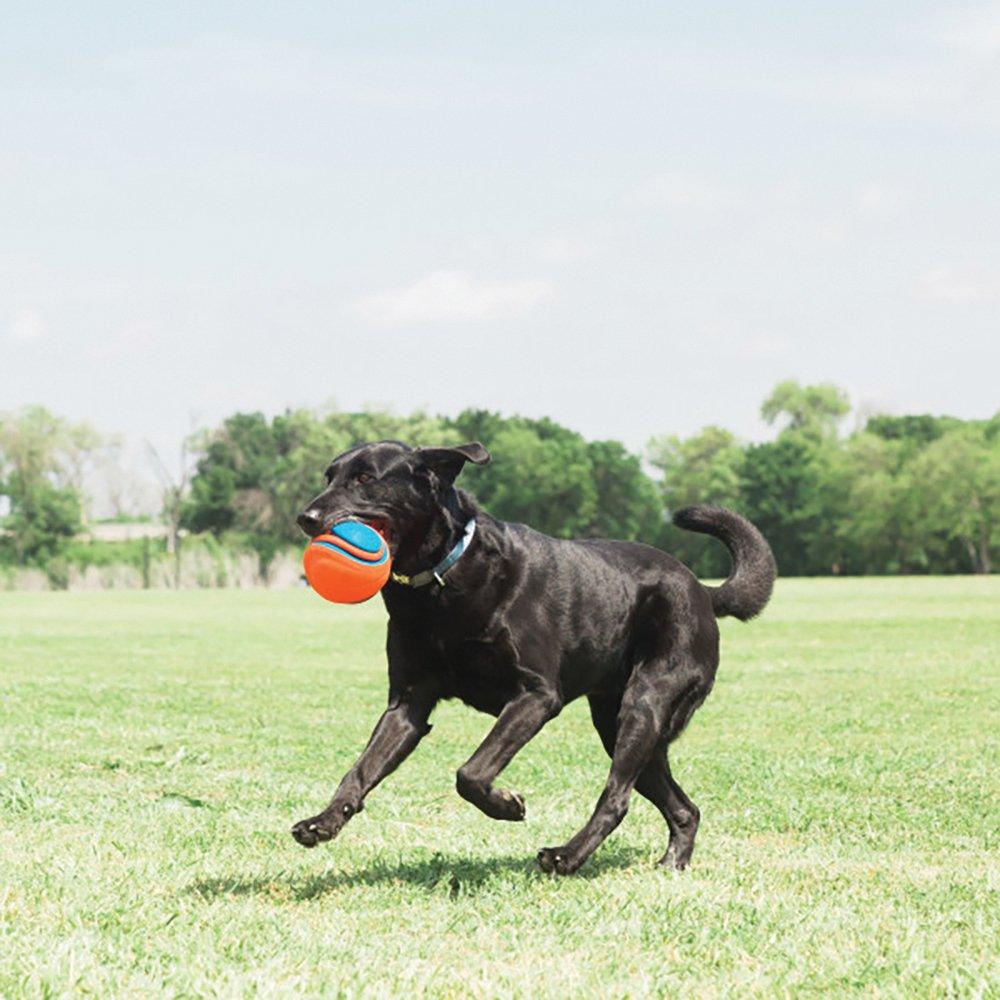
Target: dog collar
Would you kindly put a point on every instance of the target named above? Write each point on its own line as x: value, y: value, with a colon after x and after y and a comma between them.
x: 438, y: 572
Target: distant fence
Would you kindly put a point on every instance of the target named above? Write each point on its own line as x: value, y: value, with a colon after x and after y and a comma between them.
x: 124, y: 531
x: 195, y: 569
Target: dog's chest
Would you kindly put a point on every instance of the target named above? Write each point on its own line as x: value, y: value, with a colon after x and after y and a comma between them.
x: 480, y: 672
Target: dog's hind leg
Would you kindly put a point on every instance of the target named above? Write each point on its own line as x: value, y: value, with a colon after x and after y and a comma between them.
x: 652, y: 690
x: 604, y: 714
x: 681, y: 814
x: 655, y: 783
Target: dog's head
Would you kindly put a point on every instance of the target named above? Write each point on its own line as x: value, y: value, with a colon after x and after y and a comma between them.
x: 397, y: 489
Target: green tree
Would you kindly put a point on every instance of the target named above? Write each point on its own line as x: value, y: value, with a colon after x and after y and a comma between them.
x: 548, y: 476
x: 254, y: 474
x: 779, y: 492
x: 812, y: 410
x: 956, y: 480
x: 913, y: 432
x: 42, y: 458
x: 540, y: 475
x: 870, y: 503
x: 244, y: 479
x: 801, y: 503
x: 704, y: 468
x: 42, y: 521
x: 210, y: 505
x: 909, y: 494
x: 627, y: 505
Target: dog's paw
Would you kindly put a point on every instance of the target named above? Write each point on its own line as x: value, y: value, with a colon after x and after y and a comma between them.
x: 676, y: 859
x: 324, y: 827
x: 511, y: 806
x: 310, y: 832
x: 555, y: 861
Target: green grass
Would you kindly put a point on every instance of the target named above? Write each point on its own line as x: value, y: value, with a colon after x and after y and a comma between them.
x: 156, y: 747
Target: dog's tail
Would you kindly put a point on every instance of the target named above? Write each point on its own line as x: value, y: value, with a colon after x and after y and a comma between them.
x: 751, y: 580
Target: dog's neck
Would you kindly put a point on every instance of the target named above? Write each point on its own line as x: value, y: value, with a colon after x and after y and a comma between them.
x: 424, y: 546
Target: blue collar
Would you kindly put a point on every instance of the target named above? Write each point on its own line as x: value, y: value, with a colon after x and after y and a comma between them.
x: 438, y: 572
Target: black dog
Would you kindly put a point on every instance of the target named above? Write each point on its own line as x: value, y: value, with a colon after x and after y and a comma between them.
x: 520, y: 624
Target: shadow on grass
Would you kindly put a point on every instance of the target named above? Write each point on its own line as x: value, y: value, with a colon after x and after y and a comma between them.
x: 462, y: 876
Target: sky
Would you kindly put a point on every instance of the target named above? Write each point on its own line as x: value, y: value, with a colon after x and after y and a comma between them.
x: 634, y: 218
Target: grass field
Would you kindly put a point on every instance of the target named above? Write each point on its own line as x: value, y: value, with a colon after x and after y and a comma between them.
x: 156, y: 747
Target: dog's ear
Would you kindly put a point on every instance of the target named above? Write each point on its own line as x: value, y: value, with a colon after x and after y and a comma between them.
x: 447, y: 463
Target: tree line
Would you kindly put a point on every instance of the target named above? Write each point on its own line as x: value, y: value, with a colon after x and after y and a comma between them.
x: 903, y: 494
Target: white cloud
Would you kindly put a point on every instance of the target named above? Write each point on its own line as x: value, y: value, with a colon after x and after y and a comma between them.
x: 959, y: 285
x: 559, y: 249
x: 274, y: 69
x: 975, y: 30
x: 680, y: 190
x: 733, y: 339
x: 26, y: 326
x: 451, y: 297
x: 879, y: 201
x: 890, y: 86
x: 132, y: 337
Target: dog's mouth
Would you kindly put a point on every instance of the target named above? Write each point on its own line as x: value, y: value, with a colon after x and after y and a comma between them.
x: 381, y: 524
x: 384, y: 528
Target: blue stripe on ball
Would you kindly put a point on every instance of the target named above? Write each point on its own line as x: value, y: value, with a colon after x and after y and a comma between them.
x: 361, y: 536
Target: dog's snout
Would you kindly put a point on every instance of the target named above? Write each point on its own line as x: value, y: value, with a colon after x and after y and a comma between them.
x: 310, y: 522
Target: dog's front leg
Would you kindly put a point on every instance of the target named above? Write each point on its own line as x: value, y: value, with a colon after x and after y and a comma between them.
x: 399, y: 730
x: 519, y: 721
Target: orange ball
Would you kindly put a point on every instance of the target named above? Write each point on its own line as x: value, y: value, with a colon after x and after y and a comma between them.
x: 349, y: 565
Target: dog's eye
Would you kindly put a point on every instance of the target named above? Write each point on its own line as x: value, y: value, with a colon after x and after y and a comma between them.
x: 365, y: 477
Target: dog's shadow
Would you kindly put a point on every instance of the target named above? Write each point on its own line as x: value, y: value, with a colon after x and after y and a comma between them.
x: 461, y: 875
